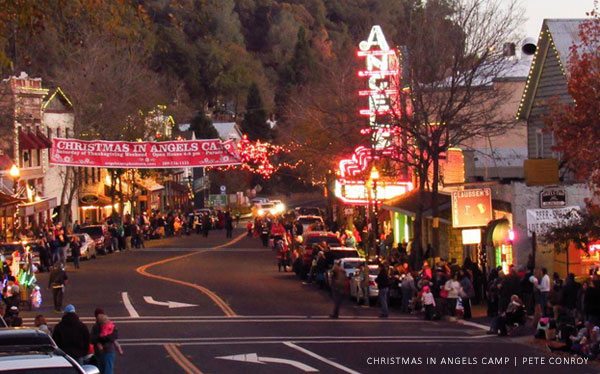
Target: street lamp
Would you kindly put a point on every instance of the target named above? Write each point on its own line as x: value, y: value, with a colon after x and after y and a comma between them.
x: 14, y: 174
x: 374, y: 177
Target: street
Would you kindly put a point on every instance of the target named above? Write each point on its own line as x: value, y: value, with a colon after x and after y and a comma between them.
x: 208, y: 305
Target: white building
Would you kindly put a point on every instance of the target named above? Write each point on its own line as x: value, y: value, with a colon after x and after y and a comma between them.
x: 58, y: 118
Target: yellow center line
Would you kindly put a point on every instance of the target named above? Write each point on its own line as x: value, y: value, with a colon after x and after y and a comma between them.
x: 143, y: 270
x: 181, y: 360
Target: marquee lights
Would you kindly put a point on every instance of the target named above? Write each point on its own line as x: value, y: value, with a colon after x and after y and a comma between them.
x: 382, y: 71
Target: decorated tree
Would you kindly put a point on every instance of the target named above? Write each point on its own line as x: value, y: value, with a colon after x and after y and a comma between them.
x: 576, y: 124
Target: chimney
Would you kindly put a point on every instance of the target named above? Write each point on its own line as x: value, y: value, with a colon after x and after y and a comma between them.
x: 529, y: 46
x: 508, y: 49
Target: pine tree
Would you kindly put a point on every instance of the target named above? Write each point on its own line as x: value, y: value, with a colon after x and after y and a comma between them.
x: 303, y: 62
x: 255, y: 120
x: 202, y: 126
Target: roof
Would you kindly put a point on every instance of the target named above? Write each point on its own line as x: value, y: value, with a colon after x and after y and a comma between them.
x: 556, y: 36
x: 228, y: 130
x: 408, y: 203
x: 60, y: 95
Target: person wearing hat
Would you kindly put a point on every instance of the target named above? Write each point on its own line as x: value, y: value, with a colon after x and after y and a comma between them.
x: 71, y: 335
x: 104, y: 337
x: 12, y: 317
x: 56, y: 282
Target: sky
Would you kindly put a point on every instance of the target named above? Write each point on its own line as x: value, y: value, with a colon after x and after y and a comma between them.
x: 537, y: 10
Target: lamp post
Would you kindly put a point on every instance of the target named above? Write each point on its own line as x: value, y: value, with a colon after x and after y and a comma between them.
x: 374, y: 177
x: 15, y: 173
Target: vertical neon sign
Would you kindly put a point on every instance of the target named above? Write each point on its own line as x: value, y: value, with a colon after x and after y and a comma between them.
x: 382, y: 72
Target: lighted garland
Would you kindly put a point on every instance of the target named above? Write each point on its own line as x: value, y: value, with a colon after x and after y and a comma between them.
x: 256, y: 157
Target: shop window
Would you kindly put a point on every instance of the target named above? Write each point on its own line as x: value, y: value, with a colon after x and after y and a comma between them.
x: 49, y: 133
x: 504, y: 257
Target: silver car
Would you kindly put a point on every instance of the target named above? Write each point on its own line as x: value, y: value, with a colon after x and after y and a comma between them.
x: 356, y: 291
x: 88, y: 246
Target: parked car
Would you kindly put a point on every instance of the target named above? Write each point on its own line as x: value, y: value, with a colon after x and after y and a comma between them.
x: 259, y: 200
x: 310, y: 223
x: 337, y: 253
x: 100, y: 235
x: 349, y: 264
x: 25, y: 350
x: 312, y: 238
x: 308, y: 211
x: 88, y: 246
x: 356, y: 290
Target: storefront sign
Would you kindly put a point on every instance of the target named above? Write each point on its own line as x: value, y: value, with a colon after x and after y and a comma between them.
x: 217, y: 201
x: 471, y: 208
x: 553, y: 197
x: 471, y: 236
x: 169, y: 154
x: 89, y: 199
x: 539, y: 220
x: 359, y: 193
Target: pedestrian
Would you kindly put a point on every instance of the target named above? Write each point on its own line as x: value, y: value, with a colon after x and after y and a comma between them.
x: 365, y: 281
x: 104, y: 337
x: 408, y: 289
x: 12, y: 318
x: 468, y: 294
x: 383, y: 284
x: 428, y: 302
x: 63, y: 241
x: 75, y: 251
x: 41, y: 324
x: 56, y: 282
x: 569, y: 294
x: 454, y: 290
x: 544, y: 288
x: 338, y: 287
x: 249, y: 229
x: 228, y: 225
x: 205, y: 225
x: 71, y: 335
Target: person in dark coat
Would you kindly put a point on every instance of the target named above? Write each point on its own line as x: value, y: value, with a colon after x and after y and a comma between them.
x: 592, y: 303
x: 104, y: 337
x: 228, y: 224
x: 56, y: 282
x: 71, y: 335
x: 383, y: 284
x: 569, y: 294
x: 511, y: 285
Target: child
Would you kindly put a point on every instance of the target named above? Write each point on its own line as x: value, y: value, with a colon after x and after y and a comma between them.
x: 428, y: 303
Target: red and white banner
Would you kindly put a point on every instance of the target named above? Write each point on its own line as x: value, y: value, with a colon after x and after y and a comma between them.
x: 168, y: 154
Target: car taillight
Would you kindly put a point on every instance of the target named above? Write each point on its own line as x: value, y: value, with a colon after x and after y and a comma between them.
x: 372, y: 283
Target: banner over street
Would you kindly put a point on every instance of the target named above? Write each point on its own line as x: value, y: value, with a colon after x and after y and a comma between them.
x: 163, y: 155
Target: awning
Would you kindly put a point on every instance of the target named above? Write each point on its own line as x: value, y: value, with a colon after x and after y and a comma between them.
x: 409, y: 203
x: 43, y: 205
x: 94, y: 200
x: 177, y: 187
x: 26, y: 141
x: 44, y: 139
x: 496, y: 232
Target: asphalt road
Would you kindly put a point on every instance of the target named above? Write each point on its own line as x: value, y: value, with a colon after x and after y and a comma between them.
x: 231, y: 311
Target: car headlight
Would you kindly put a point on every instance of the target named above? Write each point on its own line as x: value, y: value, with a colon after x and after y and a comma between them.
x: 261, y: 212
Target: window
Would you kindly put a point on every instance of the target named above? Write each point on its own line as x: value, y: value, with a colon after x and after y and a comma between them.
x: 49, y: 132
x: 67, y: 132
x: 94, y: 176
x: 85, y: 175
x: 58, y: 132
x: 539, y: 143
